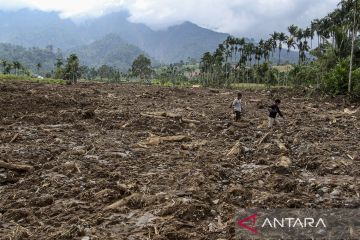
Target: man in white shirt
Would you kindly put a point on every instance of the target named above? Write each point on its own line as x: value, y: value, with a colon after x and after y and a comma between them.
x: 236, y: 104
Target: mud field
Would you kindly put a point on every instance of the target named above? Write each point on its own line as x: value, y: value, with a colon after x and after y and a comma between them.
x: 97, y: 161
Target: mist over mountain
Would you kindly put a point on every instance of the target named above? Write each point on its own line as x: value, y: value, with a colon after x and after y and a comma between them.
x: 111, y: 50
x: 35, y: 28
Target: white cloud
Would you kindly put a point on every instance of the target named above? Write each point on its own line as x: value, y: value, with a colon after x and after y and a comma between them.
x: 240, y: 17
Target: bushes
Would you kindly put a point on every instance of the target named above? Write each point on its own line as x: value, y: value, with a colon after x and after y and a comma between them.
x: 356, y: 82
x: 336, y: 81
x: 305, y: 74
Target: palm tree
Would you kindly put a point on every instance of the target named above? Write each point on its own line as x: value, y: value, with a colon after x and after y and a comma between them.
x: 274, y: 38
x: 281, y: 38
x: 206, y: 65
x: 290, y: 42
x: 355, y: 11
x: 308, y: 33
x: 315, y: 28
x: 299, y: 36
x: 267, y: 49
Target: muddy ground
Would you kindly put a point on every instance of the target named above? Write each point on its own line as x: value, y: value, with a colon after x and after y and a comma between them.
x: 146, y: 162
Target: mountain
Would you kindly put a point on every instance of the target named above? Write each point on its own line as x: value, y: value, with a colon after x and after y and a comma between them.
x: 38, y: 29
x: 35, y: 28
x: 29, y: 57
x: 111, y: 50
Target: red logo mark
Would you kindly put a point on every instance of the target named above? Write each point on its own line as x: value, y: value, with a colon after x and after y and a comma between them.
x: 250, y: 218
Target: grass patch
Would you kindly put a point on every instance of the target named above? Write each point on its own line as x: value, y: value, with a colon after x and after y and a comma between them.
x: 248, y: 86
x: 255, y: 86
x: 31, y: 79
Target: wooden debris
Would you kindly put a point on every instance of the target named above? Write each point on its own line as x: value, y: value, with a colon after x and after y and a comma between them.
x: 263, y: 138
x: 14, y: 138
x: 164, y: 115
x: 16, y: 167
x: 156, y: 140
x: 235, y: 150
x: 125, y: 125
x: 194, y: 146
x: 281, y: 146
x: 350, y: 112
x: 122, y: 202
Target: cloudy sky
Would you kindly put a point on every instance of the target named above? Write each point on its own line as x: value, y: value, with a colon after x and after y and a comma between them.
x: 251, y: 18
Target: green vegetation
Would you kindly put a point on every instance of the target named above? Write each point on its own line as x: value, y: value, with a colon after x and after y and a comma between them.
x: 7, y: 77
x: 141, y: 67
x: 327, y: 58
x: 329, y: 66
x: 72, y: 69
x: 35, y: 59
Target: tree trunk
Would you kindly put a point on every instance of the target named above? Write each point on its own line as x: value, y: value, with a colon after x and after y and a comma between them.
x: 279, y: 56
x: 352, y: 48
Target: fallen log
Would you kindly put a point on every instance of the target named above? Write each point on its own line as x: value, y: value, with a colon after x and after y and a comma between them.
x: 156, y: 140
x: 16, y: 167
x: 123, y: 202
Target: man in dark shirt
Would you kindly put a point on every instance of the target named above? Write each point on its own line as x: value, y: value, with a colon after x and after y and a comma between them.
x: 274, y: 110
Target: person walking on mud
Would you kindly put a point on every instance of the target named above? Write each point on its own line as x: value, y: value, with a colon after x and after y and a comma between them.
x: 236, y: 104
x: 273, y: 111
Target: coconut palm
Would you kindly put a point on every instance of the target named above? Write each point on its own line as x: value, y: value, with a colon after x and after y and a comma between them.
x: 281, y: 39
x: 290, y: 42
x: 274, y: 38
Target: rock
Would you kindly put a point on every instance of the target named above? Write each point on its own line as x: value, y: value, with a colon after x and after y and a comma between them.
x: 323, y: 190
x: 335, y: 193
x: 282, y: 165
x: 58, y: 140
x: 284, y: 162
x: 145, y: 220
